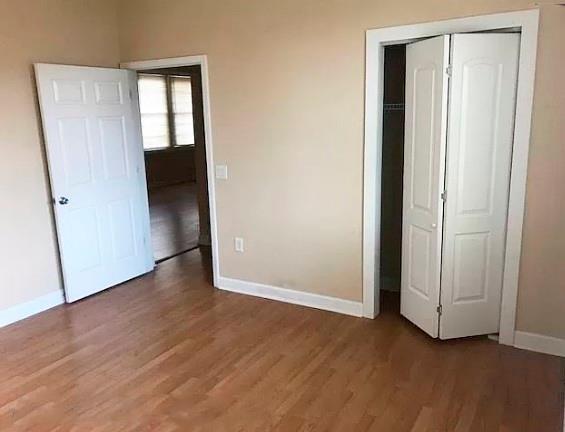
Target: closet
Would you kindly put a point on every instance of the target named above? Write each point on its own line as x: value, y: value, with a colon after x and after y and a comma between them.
x: 459, y: 120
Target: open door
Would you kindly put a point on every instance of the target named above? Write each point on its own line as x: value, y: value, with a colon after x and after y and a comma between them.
x: 95, y: 155
x: 473, y: 154
x: 424, y: 156
x: 479, y: 151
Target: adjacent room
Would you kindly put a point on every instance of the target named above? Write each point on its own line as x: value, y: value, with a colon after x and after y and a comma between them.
x: 172, y: 126
x: 287, y: 216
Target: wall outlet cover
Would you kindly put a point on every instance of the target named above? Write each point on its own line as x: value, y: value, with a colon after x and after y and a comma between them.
x: 222, y: 172
x: 238, y: 244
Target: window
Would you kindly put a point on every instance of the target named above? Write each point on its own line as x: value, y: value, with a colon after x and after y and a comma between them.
x: 165, y: 103
x: 182, y: 109
x: 154, y: 111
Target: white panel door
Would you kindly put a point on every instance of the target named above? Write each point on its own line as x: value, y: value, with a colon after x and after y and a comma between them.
x: 93, y: 139
x: 479, y: 149
x: 424, y: 162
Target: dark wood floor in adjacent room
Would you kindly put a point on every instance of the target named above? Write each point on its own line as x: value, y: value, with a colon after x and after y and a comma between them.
x: 174, y: 219
x: 167, y: 352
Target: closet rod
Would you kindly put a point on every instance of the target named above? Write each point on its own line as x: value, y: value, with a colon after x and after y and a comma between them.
x: 393, y: 107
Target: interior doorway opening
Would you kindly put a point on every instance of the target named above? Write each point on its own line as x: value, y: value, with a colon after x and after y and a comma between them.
x: 172, y: 120
x: 391, y: 176
x: 92, y: 124
x: 377, y: 39
x: 447, y: 140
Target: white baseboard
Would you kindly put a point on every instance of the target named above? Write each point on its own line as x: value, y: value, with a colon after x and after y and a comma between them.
x: 540, y: 343
x: 27, y: 309
x: 302, y: 298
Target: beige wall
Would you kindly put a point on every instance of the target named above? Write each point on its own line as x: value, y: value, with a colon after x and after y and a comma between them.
x: 56, y: 31
x: 541, y: 302
x: 287, y: 82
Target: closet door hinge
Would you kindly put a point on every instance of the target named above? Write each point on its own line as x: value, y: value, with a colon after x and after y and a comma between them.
x: 439, y: 309
x: 443, y: 195
x: 448, y: 70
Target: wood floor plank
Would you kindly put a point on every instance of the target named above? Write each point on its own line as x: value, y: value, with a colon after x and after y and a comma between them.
x: 168, y: 352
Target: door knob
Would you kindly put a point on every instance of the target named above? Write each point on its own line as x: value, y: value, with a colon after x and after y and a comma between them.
x: 63, y: 200
x: 434, y: 225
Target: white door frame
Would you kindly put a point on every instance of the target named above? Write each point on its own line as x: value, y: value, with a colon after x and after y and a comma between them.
x: 376, y: 40
x: 202, y: 61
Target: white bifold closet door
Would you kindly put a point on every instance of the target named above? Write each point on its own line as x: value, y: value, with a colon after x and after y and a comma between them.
x: 92, y: 131
x: 482, y: 101
x: 456, y: 180
x: 424, y: 162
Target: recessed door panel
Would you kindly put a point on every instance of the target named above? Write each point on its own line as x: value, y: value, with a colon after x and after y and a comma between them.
x: 425, y: 123
x: 122, y: 223
x: 422, y: 147
x: 108, y: 92
x: 69, y: 92
x: 419, y: 264
x: 479, y: 150
x: 114, y: 152
x: 471, y: 260
x: 84, y: 239
x: 477, y: 144
x: 74, y: 142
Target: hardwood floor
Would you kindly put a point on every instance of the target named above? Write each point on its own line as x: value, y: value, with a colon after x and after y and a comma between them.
x: 174, y: 219
x: 167, y: 352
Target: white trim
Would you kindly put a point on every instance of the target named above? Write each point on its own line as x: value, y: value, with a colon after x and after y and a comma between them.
x: 32, y: 307
x: 527, y: 23
x: 302, y: 298
x: 540, y: 343
x: 136, y: 113
x: 165, y: 62
x: 202, y: 61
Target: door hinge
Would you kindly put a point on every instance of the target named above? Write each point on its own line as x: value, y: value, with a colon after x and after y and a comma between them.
x: 443, y: 195
x: 439, y: 309
x: 449, y: 70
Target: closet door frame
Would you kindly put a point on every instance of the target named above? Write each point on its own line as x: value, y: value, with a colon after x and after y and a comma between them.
x: 526, y: 22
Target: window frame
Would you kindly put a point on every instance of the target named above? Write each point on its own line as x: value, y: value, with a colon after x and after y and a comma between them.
x: 172, y: 145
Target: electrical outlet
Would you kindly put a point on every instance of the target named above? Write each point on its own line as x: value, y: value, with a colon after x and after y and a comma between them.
x: 238, y: 244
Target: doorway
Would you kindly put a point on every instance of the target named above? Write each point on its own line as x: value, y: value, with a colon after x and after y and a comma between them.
x: 93, y: 135
x: 377, y: 40
x: 172, y: 124
x: 458, y: 124
x: 392, y: 175
x: 200, y: 61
